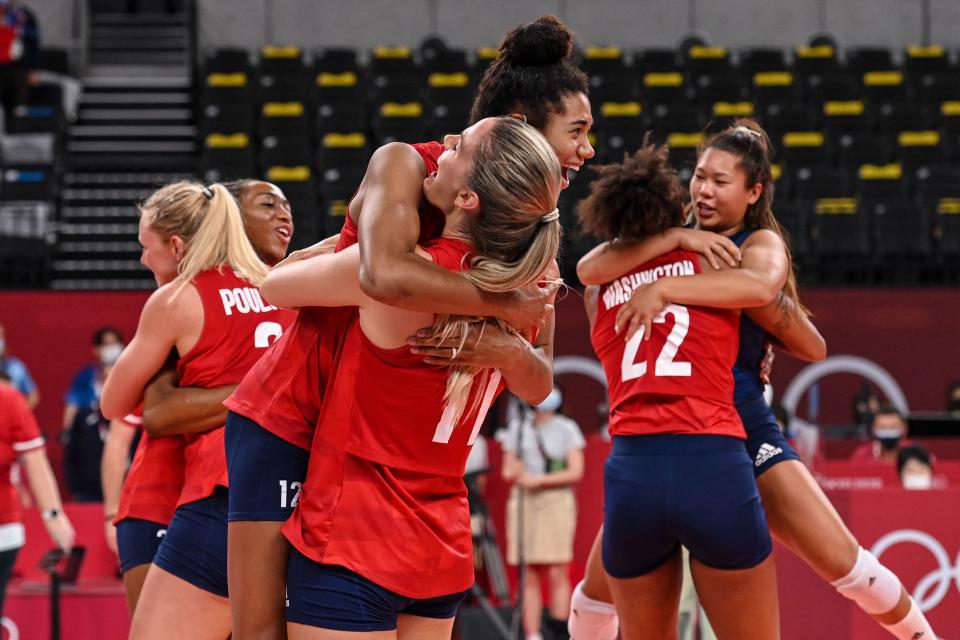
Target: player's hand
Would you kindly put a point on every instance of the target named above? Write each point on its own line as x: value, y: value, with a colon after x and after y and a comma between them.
x: 327, y: 245
x: 766, y: 363
x: 637, y: 313
x: 110, y: 534
x: 483, y: 345
x: 527, y: 308
x: 713, y: 246
x: 61, y: 531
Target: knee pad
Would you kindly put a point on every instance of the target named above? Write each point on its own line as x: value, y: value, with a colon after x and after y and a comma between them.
x: 591, y: 619
x: 871, y: 585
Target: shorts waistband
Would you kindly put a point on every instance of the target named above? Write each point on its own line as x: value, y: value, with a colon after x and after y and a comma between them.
x: 669, y: 444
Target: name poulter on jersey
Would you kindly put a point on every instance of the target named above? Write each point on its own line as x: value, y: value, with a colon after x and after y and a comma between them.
x: 244, y: 300
x: 619, y: 290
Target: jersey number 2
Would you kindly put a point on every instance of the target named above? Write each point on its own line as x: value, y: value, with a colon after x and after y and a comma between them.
x: 266, y: 334
x: 665, y: 365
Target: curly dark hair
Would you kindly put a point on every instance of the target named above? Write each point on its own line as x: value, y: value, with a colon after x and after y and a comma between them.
x: 532, y: 74
x: 635, y: 199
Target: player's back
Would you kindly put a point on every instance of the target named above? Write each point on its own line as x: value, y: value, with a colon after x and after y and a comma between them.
x: 238, y: 325
x: 679, y: 380
x: 384, y: 494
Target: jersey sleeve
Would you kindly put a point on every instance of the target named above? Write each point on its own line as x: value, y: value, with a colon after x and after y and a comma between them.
x: 23, y: 432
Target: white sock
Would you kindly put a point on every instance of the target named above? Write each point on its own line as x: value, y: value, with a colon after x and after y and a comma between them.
x: 591, y: 619
x: 914, y: 626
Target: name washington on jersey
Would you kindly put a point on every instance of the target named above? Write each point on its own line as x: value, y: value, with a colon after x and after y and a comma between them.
x: 620, y: 290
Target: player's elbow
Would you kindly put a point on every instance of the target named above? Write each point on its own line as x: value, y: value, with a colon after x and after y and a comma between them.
x: 816, y: 352
x: 154, y: 423
x: 381, y: 283
x: 587, y: 273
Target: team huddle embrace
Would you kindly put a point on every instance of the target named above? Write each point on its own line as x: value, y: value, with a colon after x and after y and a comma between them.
x: 307, y: 417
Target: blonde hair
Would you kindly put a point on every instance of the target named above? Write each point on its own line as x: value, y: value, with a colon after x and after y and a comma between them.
x: 209, y: 222
x: 516, y: 233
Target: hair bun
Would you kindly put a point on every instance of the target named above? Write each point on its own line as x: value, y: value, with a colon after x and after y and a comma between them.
x: 543, y: 42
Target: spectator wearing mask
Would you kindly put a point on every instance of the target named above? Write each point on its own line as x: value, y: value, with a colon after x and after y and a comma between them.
x: 915, y: 467
x: 543, y: 458
x: 17, y: 372
x: 19, y: 54
x: 888, y: 430
x: 84, y: 392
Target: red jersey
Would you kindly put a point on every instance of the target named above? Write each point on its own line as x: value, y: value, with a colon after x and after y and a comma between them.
x: 678, y: 381
x: 19, y: 433
x: 282, y: 392
x: 237, y: 327
x: 384, y: 494
x: 153, y: 484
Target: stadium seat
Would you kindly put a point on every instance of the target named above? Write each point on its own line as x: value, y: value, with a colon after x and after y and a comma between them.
x: 227, y: 156
x: 227, y: 60
x: 400, y: 122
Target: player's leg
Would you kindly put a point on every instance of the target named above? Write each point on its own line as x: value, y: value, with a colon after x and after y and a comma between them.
x: 257, y: 556
x: 723, y: 526
x: 592, y: 614
x: 801, y: 517
x: 133, y: 579
x: 265, y: 474
x: 723, y: 593
x: 137, y: 545
x: 641, y: 549
x: 647, y: 605
x: 171, y: 607
x: 185, y: 593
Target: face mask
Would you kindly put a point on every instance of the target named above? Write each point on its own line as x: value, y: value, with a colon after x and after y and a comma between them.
x: 917, y: 481
x: 110, y: 352
x: 552, y: 401
x: 888, y: 438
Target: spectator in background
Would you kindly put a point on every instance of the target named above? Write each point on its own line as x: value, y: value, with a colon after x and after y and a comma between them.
x: 84, y: 392
x: 915, y: 467
x: 888, y: 428
x: 19, y: 54
x: 953, y: 399
x: 17, y: 372
x: 543, y: 457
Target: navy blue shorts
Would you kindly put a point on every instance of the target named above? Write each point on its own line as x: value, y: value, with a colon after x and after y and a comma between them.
x: 138, y: 541
x: 766, y: 445
x: 332, y: 597
x: 663, y: 491
x: 265, y: 472
x: 195, y: 547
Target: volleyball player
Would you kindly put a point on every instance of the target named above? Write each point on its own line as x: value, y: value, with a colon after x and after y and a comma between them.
x: 141, y: 502
x: 732, y: 191
x: 382, y: 530
x: 276, y: 409
x: 212, y: 313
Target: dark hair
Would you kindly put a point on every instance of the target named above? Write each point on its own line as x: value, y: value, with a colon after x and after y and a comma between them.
x: 748, y: 141
x: 238, y: 187
x: 635, y: 199
x: 102, y: 334
x: 887, y: 410
x: 532, y: 74
x: 954, y: 386
x: 913, y: 452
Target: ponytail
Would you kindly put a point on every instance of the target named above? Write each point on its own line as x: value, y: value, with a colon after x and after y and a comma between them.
x: 208, y: 220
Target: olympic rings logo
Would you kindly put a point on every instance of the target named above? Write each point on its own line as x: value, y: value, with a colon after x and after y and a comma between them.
x: 933, y: 587
x: 13, y: 632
